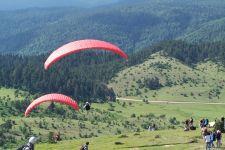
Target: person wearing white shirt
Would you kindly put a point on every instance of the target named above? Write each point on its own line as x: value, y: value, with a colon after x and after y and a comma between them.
x: 207, y: 141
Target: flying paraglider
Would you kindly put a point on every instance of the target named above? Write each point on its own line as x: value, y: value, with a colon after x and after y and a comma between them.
x: 81, y: 45
x: 52, y: 98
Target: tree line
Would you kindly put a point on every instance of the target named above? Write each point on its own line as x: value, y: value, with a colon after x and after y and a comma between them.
x: 85, y: 75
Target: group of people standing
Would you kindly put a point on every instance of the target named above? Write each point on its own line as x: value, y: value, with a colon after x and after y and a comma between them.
x: 210, y: 136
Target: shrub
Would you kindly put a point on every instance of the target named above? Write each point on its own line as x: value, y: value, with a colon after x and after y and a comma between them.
x: 119, y: 143
x: 152, y: 83
x: 133, y: 116
x: 123, y: 136
x: 51, y: 137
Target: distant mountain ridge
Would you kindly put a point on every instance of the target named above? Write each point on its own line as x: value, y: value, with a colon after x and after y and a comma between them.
x: 132, y: 25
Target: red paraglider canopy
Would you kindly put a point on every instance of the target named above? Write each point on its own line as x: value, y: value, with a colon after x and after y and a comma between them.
x: 54, y: 98
x: 77, y: 46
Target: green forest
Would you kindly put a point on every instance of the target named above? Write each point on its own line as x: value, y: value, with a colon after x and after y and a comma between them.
x: 132, y: 25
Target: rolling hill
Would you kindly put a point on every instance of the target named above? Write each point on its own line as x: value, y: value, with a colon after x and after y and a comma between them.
x: 165, y: 78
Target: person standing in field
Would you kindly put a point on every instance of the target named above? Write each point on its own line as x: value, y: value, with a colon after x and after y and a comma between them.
x: 202, y: 123
x: 211, y: 139
x: 191, y: 122
x: 218, y: 138
x: 207, y: 141
x: 206, y: 122
x: 214, y: 137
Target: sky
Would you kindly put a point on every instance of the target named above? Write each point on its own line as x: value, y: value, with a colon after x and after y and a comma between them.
x: 22, y: 4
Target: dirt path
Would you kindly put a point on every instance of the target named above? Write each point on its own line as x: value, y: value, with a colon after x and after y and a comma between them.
x: 168, y: 102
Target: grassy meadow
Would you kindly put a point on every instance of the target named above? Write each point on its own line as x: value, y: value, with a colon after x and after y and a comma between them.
x: 145, y: 140
x: 202, y: 82
x: 109, y: 131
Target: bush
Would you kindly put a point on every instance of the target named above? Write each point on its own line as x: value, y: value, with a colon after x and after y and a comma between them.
x: 111, y: 109
x: 119, y: 143
x: 219, y: 125
x: 118, y: 131
x: 123, y: 136
x: 174, y: 121
x: 135, y: 134
x: 152, y: 83
x: 51, y: 137
x: 133, y: 116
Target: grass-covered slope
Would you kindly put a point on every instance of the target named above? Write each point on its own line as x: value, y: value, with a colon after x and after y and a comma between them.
x: 12, y: 93
x: 169, y: 139
x: 103, y: 119
x: 105, y: 125
x: 158, y: 140
x: 177, y: 81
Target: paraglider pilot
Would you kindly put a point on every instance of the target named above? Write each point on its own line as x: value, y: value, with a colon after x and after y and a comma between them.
x: 29, y: 145
x: 87, y: 106
x: 85, y: 146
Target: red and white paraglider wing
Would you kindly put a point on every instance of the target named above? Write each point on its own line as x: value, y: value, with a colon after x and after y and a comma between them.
x: 77, y: 46
x: 59, y: 98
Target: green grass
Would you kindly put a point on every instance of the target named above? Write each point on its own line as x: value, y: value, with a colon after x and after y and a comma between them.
x: 7, y: 92
x: 146, y: 140
x: 70, y: 130
x: 180, y: 111
x: 205, y: 78
x: 10, y: 93
x: 168, y: 139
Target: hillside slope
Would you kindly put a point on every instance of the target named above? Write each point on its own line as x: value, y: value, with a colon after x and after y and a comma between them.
x: 212, y: 31
x: 165, y: 78
x: 104, y: 125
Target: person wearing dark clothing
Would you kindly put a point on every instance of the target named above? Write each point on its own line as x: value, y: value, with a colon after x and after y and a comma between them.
x: 191, y: 124
x: 206, y: 122
x: 29, y: 145
x: 218, y: 138
x: 214, y: 138
x: 85, y: 146
x: 202, y: 123
x: 87, y: 106
x: 191, y: 121
x: 186, y: 128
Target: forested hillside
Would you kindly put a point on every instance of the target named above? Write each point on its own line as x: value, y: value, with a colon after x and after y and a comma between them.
x: 82, y: 76
x: 85, y: 76
x: 132, y: 25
